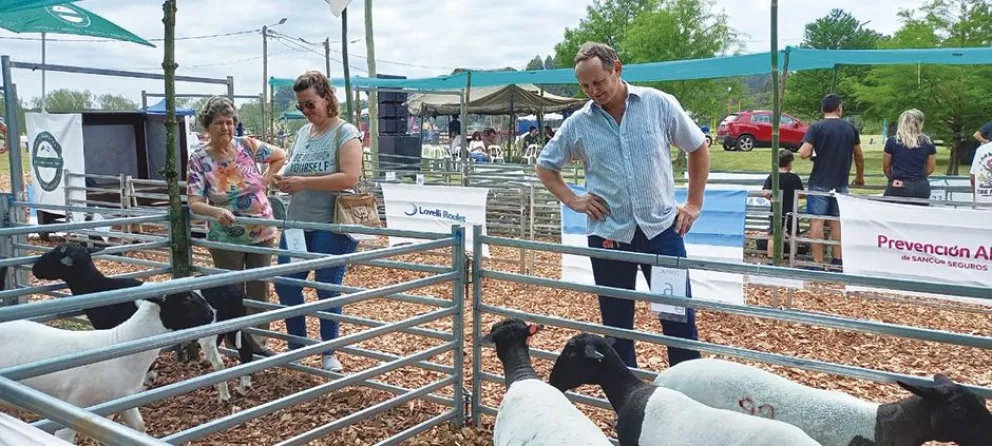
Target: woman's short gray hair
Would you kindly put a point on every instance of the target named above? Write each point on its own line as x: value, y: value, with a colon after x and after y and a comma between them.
x: 216, y: 106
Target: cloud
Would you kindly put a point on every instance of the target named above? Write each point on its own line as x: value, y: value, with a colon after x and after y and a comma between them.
x: 412, y: 38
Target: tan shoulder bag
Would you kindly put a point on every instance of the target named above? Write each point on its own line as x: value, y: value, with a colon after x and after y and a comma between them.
x: 359, y: 207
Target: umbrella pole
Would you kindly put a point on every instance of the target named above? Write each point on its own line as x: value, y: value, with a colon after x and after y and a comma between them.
x: 43, y: 42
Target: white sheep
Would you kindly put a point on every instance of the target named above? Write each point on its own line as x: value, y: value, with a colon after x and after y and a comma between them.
x: 73, y: 264
x: 533, y: 412
x: 945, y: 412
x: 88, y: 385
x: 652, y: 416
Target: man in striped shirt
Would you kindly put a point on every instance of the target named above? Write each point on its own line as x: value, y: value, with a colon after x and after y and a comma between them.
x: 623, y: 137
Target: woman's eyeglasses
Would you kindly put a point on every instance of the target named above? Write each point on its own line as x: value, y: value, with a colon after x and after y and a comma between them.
x: 309, y: 105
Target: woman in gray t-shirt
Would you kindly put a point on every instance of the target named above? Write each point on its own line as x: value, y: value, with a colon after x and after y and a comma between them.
x: 326, y: 158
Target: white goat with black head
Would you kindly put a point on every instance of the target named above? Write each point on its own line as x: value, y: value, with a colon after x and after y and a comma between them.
x: 533, y: 412
x: 656, y: 416
x: 944, y: 412
x: 26, y: 341
x: 74, y: 265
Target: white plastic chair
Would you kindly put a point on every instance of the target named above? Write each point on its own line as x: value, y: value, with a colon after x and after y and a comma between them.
x: 531, y: 153
x: 495, y: 153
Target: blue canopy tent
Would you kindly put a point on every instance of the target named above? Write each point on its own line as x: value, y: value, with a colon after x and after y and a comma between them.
x: 159, y: 109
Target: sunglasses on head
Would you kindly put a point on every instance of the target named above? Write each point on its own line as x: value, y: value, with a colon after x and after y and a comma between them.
x: 309, y: 105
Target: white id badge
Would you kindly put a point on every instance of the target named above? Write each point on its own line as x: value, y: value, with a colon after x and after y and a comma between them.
x: 295, y: 241
x: 670, y: 282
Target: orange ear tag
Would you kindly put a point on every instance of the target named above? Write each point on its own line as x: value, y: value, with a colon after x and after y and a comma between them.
x: 608, y: 244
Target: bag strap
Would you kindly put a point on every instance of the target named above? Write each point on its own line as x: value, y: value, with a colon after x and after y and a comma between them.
x: 360, y: 187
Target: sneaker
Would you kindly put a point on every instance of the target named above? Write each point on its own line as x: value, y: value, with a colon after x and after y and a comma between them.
x: 332, y: 364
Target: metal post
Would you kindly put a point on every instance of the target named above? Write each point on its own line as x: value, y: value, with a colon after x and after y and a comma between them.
x: 776, y: 121
x: 272, y: 113
x: 458, y: 321
x: 464, y: 112
x: 144, y: 99
x: 265, y: 75
x: 43, y: 62
x: 327, y: 57
x: 230, y: 88
x: 476, y: 323
x: 13, y: 129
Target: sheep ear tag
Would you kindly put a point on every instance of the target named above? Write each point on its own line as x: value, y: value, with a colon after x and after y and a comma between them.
x: 532, y: 329
x: 67, y: 261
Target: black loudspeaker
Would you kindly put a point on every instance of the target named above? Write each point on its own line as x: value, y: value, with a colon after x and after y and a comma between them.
x: 400, y: 152
x: 393, y: 114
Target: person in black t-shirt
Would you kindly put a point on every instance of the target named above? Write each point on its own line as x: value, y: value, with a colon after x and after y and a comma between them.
x: 832, y: 143
x: 454, y: 127
x: 910, y: 157
x: 788, y: 183
x: 984, y: 134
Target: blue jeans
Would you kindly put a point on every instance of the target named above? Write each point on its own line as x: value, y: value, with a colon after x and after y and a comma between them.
x: 323, y: 242
x: 620, y: 312
x: 822, y: 204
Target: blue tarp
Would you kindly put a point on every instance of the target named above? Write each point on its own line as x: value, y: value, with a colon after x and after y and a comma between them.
x: 721, y: 222
x: 800, y: 59
x: 159, y: 109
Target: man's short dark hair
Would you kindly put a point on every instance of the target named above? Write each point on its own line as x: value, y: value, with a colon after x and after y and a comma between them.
x: 592, y: 50
x: 785, y: 157
x: 830, y: 103
x: 531, y: 129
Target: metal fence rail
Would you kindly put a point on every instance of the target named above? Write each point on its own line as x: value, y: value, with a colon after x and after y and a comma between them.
x: 479, y: 307
x: 452, y: 308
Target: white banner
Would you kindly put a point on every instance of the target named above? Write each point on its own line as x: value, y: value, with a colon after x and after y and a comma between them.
x: 929, y: 244
x: 415, y: 207
x: 55, y: 146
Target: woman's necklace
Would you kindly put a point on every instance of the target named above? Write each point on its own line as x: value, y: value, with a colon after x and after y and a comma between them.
x: 221, y: 155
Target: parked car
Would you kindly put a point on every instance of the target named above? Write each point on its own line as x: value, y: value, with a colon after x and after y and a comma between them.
x: 746, y: 130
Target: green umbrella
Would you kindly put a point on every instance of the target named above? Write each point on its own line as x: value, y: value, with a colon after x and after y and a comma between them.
x: 17, y: 5
x: 65, y: 19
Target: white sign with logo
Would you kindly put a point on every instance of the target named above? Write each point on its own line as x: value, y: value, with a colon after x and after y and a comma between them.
x: 894, y: 240
x: 55, y: 146
x: 668, y: 282
x: 434, y: 209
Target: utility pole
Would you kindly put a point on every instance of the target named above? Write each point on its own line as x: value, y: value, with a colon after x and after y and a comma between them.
x: 265, y: 78
x: 344, y: 62
x: 265, y: 74
x: 327, y: 55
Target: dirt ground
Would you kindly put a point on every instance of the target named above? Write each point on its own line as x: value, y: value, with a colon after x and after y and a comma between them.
x: 865, y: 350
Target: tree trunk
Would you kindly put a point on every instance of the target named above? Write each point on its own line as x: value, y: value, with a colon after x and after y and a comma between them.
x: 178, y: 221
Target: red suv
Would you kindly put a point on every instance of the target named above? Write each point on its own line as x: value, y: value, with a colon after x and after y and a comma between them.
x: 753, y: 128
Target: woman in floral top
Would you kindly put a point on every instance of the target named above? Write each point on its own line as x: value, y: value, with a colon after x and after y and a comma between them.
x: 224, y: 182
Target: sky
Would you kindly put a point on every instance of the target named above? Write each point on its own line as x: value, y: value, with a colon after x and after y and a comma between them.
x: 412, y: 38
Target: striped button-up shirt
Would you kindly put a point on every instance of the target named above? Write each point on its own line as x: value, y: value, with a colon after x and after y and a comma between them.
x: 629, y: 165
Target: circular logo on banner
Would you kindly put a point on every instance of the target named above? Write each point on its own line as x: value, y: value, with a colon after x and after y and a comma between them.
x: 46, y: 156
x: 412, y: 211
x: 69, y: 15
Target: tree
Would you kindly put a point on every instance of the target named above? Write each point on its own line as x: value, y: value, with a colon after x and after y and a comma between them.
x: 836, y: 31
x: 954, y: 98
x: 65, y: 100
x: 250, y: 114
x: 549, y: 63
x: 682, y: 30
x: 606, y: 22
x: 285, y: 98
x: 113, y: 102
x: 535, y: 64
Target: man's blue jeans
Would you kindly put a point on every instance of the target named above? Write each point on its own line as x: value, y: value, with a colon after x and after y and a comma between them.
x: 323, y: 242
x: 620, y: 312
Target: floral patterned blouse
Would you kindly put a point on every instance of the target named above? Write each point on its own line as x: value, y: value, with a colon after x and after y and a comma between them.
x: 235, y: 185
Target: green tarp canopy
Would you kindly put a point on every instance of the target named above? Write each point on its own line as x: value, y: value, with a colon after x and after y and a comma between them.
x: 504, y: 100
x: 800, y: 59
x: 65, y: 19
x: 17, y: 5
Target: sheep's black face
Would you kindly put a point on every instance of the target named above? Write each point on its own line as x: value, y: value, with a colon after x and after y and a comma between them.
x: 510, y: 333
x: 185, y: 310
x: 580, y: 362
x: 956, y: 414
x: 65, y: 258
